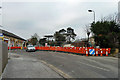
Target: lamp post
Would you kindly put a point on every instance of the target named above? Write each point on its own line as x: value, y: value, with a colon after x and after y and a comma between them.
x: 94, y: 18
x: 93, y: 13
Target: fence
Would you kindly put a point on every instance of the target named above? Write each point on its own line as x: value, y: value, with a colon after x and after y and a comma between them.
x: 77, y: 50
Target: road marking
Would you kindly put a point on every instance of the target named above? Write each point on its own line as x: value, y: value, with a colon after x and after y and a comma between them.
x: 61, y: 73
x: 95, y: 66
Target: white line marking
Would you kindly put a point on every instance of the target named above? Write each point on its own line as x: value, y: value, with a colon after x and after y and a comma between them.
x: 95, y: 66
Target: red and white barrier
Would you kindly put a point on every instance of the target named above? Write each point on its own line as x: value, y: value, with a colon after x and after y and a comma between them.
x: 87, y: 51
x: 96, y: 51
x: 78, y: 50
x: 101, y: 52
x: 106, y: 52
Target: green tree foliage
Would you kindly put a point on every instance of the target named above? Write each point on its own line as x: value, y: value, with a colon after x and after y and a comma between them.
x: 48, y: 36
x: 59, y: 38
x: 42, y: 41
x: 50, y: 42
x: 106, y: 33
x: 64, y: 36
x: 62, y: 31
x: 70, y: 34
x: 33, y: 40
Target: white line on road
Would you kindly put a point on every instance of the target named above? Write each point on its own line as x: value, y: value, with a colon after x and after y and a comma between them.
x: 94, y: 66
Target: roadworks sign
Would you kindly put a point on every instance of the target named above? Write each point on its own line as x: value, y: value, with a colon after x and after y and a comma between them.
x: 92, y: 51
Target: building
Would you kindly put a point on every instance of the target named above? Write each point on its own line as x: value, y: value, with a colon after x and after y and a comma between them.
x: 12, y: 39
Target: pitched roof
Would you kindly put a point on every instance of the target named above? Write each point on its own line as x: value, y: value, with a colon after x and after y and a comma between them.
x: 6, y: 33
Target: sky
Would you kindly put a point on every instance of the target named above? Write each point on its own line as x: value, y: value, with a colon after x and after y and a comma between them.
x: 44, y: 17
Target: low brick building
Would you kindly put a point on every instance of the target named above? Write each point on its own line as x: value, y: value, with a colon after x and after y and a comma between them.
x: 12, y: 39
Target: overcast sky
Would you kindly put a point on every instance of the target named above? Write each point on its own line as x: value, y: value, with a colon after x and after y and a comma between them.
x: 46, y: 17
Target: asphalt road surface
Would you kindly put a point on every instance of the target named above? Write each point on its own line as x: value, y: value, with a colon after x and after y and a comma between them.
x: 77, y: 66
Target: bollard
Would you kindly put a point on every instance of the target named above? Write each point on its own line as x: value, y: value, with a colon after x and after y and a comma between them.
x: 101, y: 52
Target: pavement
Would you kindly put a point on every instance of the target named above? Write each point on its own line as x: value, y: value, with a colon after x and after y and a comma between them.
x: 117, y: 55
x: 20, y: 66
x: 44, y: 64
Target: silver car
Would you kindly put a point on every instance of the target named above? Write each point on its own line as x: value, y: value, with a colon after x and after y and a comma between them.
x: 30, y: 48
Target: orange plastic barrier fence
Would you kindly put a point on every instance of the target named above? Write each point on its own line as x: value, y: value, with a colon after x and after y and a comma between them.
x: 79, y: 50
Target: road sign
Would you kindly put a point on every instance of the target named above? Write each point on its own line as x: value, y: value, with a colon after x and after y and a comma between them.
x: 1, y: 34
x: 92, y: 51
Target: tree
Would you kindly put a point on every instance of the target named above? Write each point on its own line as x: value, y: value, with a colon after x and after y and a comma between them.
x: 70, y: 34
x: 35, y: 36
x: 59, y: 38
x: 42, y: 41
x: 111, y: 17
x: 106, y: 33
x: 63, y: 35
x: 48, y: 39
x: 33, y: 40
x: 48, y: 36
x: 62, y: 31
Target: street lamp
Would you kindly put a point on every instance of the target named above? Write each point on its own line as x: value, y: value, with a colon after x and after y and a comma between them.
x: 94, y: 20
x: 93, y: 12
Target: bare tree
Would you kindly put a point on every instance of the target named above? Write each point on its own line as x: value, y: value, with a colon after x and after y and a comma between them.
x: 111, y: 17
x: 87, y: 28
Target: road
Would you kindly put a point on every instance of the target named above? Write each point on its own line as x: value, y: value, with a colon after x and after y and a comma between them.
x: 76, y: 66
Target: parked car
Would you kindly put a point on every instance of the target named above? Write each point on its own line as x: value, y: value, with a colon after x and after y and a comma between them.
x: 30, y: 48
